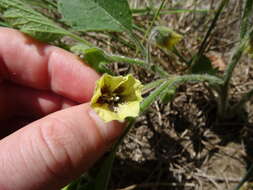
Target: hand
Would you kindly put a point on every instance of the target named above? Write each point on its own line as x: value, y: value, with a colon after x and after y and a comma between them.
x: 42, y: 81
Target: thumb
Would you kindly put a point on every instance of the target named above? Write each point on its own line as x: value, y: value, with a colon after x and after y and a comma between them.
x: 50, y: 152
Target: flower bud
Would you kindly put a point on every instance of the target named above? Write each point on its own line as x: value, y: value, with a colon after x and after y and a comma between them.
x: 165, y: 37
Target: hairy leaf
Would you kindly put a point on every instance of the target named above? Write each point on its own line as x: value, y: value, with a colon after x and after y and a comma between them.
x: 96, y: 15
x: 95, y: 57
x: 20, y: 15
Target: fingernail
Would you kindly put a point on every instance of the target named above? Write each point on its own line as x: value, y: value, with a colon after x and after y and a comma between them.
x: 110, y: 130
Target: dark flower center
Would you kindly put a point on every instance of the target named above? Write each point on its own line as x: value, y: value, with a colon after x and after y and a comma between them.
x: 112, y: 99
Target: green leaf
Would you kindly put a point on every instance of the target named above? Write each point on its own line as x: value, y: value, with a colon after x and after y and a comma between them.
x: 104, y: 174
x: 203, y: 65
x: 100, y: 176
x: 3, y: 24
x: 84, y: 182
x: 20, y: 15
x: 95, y: 57
x: 39, y: 4
x: 96, y: 15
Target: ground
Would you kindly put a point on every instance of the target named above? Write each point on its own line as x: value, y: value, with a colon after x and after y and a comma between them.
x: 180, y: 145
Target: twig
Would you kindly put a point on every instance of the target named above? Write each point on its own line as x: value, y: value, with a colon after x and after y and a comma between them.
x: 217, y: 179
x: 157, y: 185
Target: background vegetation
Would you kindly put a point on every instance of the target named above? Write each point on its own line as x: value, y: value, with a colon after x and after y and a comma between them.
x: 195, y: 131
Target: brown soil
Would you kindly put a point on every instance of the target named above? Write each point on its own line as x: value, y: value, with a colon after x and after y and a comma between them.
x: 180, y: 145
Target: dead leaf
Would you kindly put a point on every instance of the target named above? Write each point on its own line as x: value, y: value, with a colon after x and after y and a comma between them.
x: 216, y: 60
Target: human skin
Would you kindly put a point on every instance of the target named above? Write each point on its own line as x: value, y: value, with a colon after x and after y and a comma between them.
x: 52, y: 85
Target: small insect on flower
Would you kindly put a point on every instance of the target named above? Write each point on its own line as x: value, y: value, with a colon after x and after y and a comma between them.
x: 165, y: 37
x: 116, y: 98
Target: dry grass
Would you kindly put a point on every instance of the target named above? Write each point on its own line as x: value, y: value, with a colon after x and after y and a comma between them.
x: 178, y: 145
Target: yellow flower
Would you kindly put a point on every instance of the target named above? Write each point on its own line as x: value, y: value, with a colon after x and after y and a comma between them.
x: 165, y: 37
x: 116, y: 98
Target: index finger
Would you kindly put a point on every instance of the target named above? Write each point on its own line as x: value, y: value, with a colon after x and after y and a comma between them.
x: 28, y: 62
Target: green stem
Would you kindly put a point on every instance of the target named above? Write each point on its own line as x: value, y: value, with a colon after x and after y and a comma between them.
x: 106, y: 170
x: 159, y: 70
x: 138, y: 43
x: 122, y: 40
x: 140, y: 10
x: 245, y: 18
x: 121, y: 58
x: 144, y: 105
x: 139, y: 62
x: 199, y: 78
x: 230, y: 69
x: 153, y: 96
x: 148, y: 32
x: 153, y: 84
x: 78, y: 38
x: 168, y: 11
x: 177, y: 80
x: 203, y: 45
x: 130, y: 124
x: 212, y: 26
x: 153, y: 21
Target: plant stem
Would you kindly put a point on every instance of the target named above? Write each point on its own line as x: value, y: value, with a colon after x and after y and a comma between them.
x: 245, y: 18
x: 235, y: 59
x: 168, y: 11
x: 177, y: 80
x: 148, y: 32
x: 78, y: 38
x: 123, y: 41
x: 139, y: 62
x: 212, y: 26
x: 230, y: 69
x: 203, y: 45
x: 130, y: 124
x: 138, y: 43
x: 153, y: 21
x: 121, y: 58
x: 153, y: 84
x: 153, y: 96
x: 105, y: 171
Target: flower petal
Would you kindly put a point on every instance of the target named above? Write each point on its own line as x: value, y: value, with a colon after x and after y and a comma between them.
x: 127, y: 89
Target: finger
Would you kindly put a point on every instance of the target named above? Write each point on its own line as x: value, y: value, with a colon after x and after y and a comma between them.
x: 34, y: 64
x: 17, y: 100
x: 50, y: 152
